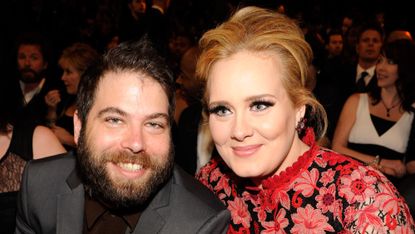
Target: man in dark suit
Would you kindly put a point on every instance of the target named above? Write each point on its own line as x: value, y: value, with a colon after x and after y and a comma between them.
x: 122, y: 179
x: 158, y: 27
x: 352, y: 76
x: 33, y: 82
x: 368, y: 48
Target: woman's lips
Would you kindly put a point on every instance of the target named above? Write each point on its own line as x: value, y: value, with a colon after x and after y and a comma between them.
x: 246, y: 151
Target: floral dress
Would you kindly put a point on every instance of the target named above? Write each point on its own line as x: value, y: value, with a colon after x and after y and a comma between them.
x: 323, y: 192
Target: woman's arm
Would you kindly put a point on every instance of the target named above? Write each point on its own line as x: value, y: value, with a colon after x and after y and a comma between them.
x: 344, y: 126
x: 52, y: 99
x: 341, y: 135
x: 64, y: 136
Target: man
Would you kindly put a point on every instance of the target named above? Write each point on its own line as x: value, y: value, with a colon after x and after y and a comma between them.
x: 334, y: 45
x: 158, y: 25
x: 330, y: 77
x: 32, y: 63
x: 357, y: 76
x: 368, y: 48
x: 123, y: 180
x: 133, y: 24
x: 188, y: 111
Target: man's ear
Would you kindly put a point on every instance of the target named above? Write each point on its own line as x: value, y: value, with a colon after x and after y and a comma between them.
x: 77, y: 126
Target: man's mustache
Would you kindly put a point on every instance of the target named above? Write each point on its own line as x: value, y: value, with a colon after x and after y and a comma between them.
x: 26, y: 70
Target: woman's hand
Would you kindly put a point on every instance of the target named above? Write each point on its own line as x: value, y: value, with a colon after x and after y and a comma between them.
x: 391, y: 167
x: 52, y: 98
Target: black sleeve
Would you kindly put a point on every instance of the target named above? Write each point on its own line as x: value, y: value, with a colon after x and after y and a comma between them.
x: 410, y: 148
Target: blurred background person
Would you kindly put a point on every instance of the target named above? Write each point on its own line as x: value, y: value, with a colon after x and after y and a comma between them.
x: 34, y: 80
x: 74, y: 60
x: 19, y: 143
x: 188, y: 111
x: 377, y: 127
x: 133, y: 23
x: 330, y: 79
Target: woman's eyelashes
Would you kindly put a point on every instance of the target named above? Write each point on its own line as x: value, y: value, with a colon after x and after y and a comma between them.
x: 256, y: 106
x: 220, y: 110
x: 260, y: 105
x: 386, y: 60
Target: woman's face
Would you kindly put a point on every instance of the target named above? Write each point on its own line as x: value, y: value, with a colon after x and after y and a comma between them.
x: 251, y: 117
x: 70, y: 76
x: 387, y: 72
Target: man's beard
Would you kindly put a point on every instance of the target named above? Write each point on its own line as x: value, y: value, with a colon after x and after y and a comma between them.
x: 123, y: 194
x: 29, y: 76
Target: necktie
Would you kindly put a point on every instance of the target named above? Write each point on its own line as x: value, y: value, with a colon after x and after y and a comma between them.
x: 361, y: 85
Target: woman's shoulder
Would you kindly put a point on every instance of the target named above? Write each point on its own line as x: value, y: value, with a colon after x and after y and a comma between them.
x: 353, y: 100
x: 45, y: 143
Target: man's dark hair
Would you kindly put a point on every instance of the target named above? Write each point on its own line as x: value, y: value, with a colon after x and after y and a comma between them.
x: 34, y: 38
x: 332, y: 32
x: 370, y: 26
x: 134, y: 56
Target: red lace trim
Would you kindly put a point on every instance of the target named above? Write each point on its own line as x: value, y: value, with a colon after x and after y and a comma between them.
x: 303, y: 162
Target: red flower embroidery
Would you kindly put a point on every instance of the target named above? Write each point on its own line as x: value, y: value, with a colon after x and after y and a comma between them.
x: 276, y: 226
x: 223, y: 184
x: 326, y: 200
x: 357, y: 186
x: 307, y: 182
x: 327, y: 177
x: 309, y: 220
x: 239, y: 212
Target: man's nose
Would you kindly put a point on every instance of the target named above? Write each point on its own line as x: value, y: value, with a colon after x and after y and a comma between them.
x: 133, y: 140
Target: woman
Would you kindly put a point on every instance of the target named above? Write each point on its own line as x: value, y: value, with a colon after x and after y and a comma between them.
x: 19, y: 143
x: 375, y: 127
x: 73, y: 61
x: 255, y: 67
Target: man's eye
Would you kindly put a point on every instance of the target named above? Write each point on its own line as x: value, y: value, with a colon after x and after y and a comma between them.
x: 34, y: 57
x: 113, y: 120
x: 219, y: 110
x: 261, y: 105
x: 390, y: 61
x: 156, y: 125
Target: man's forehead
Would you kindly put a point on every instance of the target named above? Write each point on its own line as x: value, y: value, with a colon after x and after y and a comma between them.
x: 30, y: 47
x: 124, y: 83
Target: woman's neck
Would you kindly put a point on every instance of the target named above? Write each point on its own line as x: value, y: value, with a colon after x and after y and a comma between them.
x: 390, y: 96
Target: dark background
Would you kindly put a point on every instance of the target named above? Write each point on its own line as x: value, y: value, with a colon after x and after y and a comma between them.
x: 66, y: 21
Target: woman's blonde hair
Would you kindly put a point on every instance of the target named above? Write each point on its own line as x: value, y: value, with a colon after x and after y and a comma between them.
x: 80, y: 55
x: 260, y: 30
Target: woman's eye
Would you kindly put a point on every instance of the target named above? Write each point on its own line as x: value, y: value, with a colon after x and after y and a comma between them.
x: 381, y: 60
x: 219, y: 110
x: 260, y: 105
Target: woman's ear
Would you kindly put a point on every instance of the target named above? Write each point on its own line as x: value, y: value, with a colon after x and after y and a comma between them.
x: 300, y: 113
x: 77, y: 127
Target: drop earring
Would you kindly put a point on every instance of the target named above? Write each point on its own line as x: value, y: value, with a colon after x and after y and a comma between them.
x: 301, y: 125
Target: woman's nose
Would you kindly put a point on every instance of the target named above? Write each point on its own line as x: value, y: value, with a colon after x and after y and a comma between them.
x: 242, y: 128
